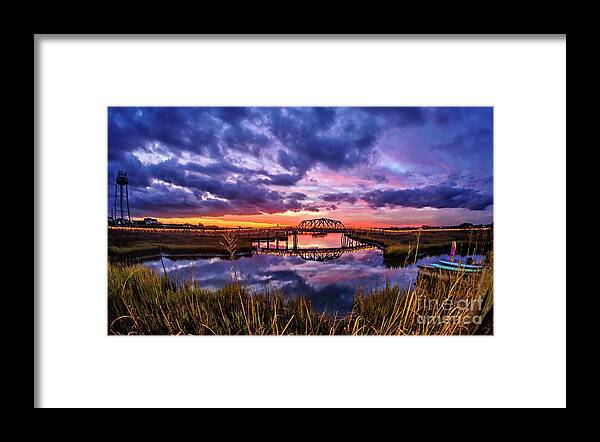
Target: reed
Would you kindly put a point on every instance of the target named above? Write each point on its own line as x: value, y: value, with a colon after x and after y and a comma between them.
x: 134, y: 244
x: 142, y: 302
x: 406, y: 246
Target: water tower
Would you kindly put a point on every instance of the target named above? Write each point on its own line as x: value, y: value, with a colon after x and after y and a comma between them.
x: 121, y: 182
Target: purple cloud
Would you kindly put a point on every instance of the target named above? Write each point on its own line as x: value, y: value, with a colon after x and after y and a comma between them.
x: 184, y: 161
x: 439, y: 197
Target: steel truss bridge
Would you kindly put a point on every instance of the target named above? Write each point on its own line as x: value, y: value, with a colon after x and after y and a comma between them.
x: 321, y: 225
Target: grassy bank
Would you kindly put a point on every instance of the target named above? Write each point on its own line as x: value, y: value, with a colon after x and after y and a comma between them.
x: 143, y: 302
x: 123, y: 244
x: 405, y: 246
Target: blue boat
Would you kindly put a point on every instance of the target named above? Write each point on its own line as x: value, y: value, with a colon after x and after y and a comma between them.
x: 450, y: 266
x: 461, y: 264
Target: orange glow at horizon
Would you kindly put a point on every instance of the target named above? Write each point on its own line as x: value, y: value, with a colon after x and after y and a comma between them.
x: 270, y: 220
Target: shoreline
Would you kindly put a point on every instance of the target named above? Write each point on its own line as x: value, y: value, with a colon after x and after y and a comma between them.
x: 135, y: 245
x: 174, y: 256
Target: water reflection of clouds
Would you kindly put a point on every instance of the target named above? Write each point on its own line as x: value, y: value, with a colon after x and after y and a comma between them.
x: 330, y: 285
x: 308, y: 241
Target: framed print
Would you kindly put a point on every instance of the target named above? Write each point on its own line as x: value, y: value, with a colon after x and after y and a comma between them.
x: 300, y: 221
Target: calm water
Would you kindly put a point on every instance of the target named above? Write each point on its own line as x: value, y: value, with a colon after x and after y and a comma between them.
x: 329, y: 240
x: 330, y: 285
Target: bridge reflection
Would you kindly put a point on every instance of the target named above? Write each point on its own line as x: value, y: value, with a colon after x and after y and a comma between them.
x: 281, y: 247
x: 315, y: 254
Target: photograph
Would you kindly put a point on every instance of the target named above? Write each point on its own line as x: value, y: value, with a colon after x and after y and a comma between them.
x: 303, y: 221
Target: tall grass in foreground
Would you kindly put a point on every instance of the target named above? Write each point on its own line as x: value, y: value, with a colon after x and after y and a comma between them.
x: 143, y: 302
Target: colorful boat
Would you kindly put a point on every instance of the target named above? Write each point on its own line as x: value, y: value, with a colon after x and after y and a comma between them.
x: 461, y: 264
x: 451, y: 266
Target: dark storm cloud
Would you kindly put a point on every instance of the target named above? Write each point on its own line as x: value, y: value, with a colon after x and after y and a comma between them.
x: 469, y: 142
x: 445, y: 115
x: 283, y: 179
x: 335, y: 138
x: 298, y: 195
x: 376, y: 177
x: 311, y: 208
x: 430, y: 196
x: 399, y: 116
x: 165, y: 198
x: 299, y: 138
x: 167, y: 187
x: 216, y: 161
x: 244, y: 140
x: 339, y: 197
x: 176, y: 128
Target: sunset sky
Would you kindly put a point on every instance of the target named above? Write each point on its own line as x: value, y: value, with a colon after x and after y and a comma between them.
x: 389, y: 166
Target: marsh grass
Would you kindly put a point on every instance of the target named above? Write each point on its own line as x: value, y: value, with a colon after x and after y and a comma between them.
x: 134, y: 244
x: 146, y: 303
x: 407, y: 247
x: 142, y: 302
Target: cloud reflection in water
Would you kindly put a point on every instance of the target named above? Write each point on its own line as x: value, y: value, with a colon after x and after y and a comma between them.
x: 329, y: 285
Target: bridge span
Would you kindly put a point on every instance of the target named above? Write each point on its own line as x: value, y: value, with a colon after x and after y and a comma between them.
x: 281, y: 246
